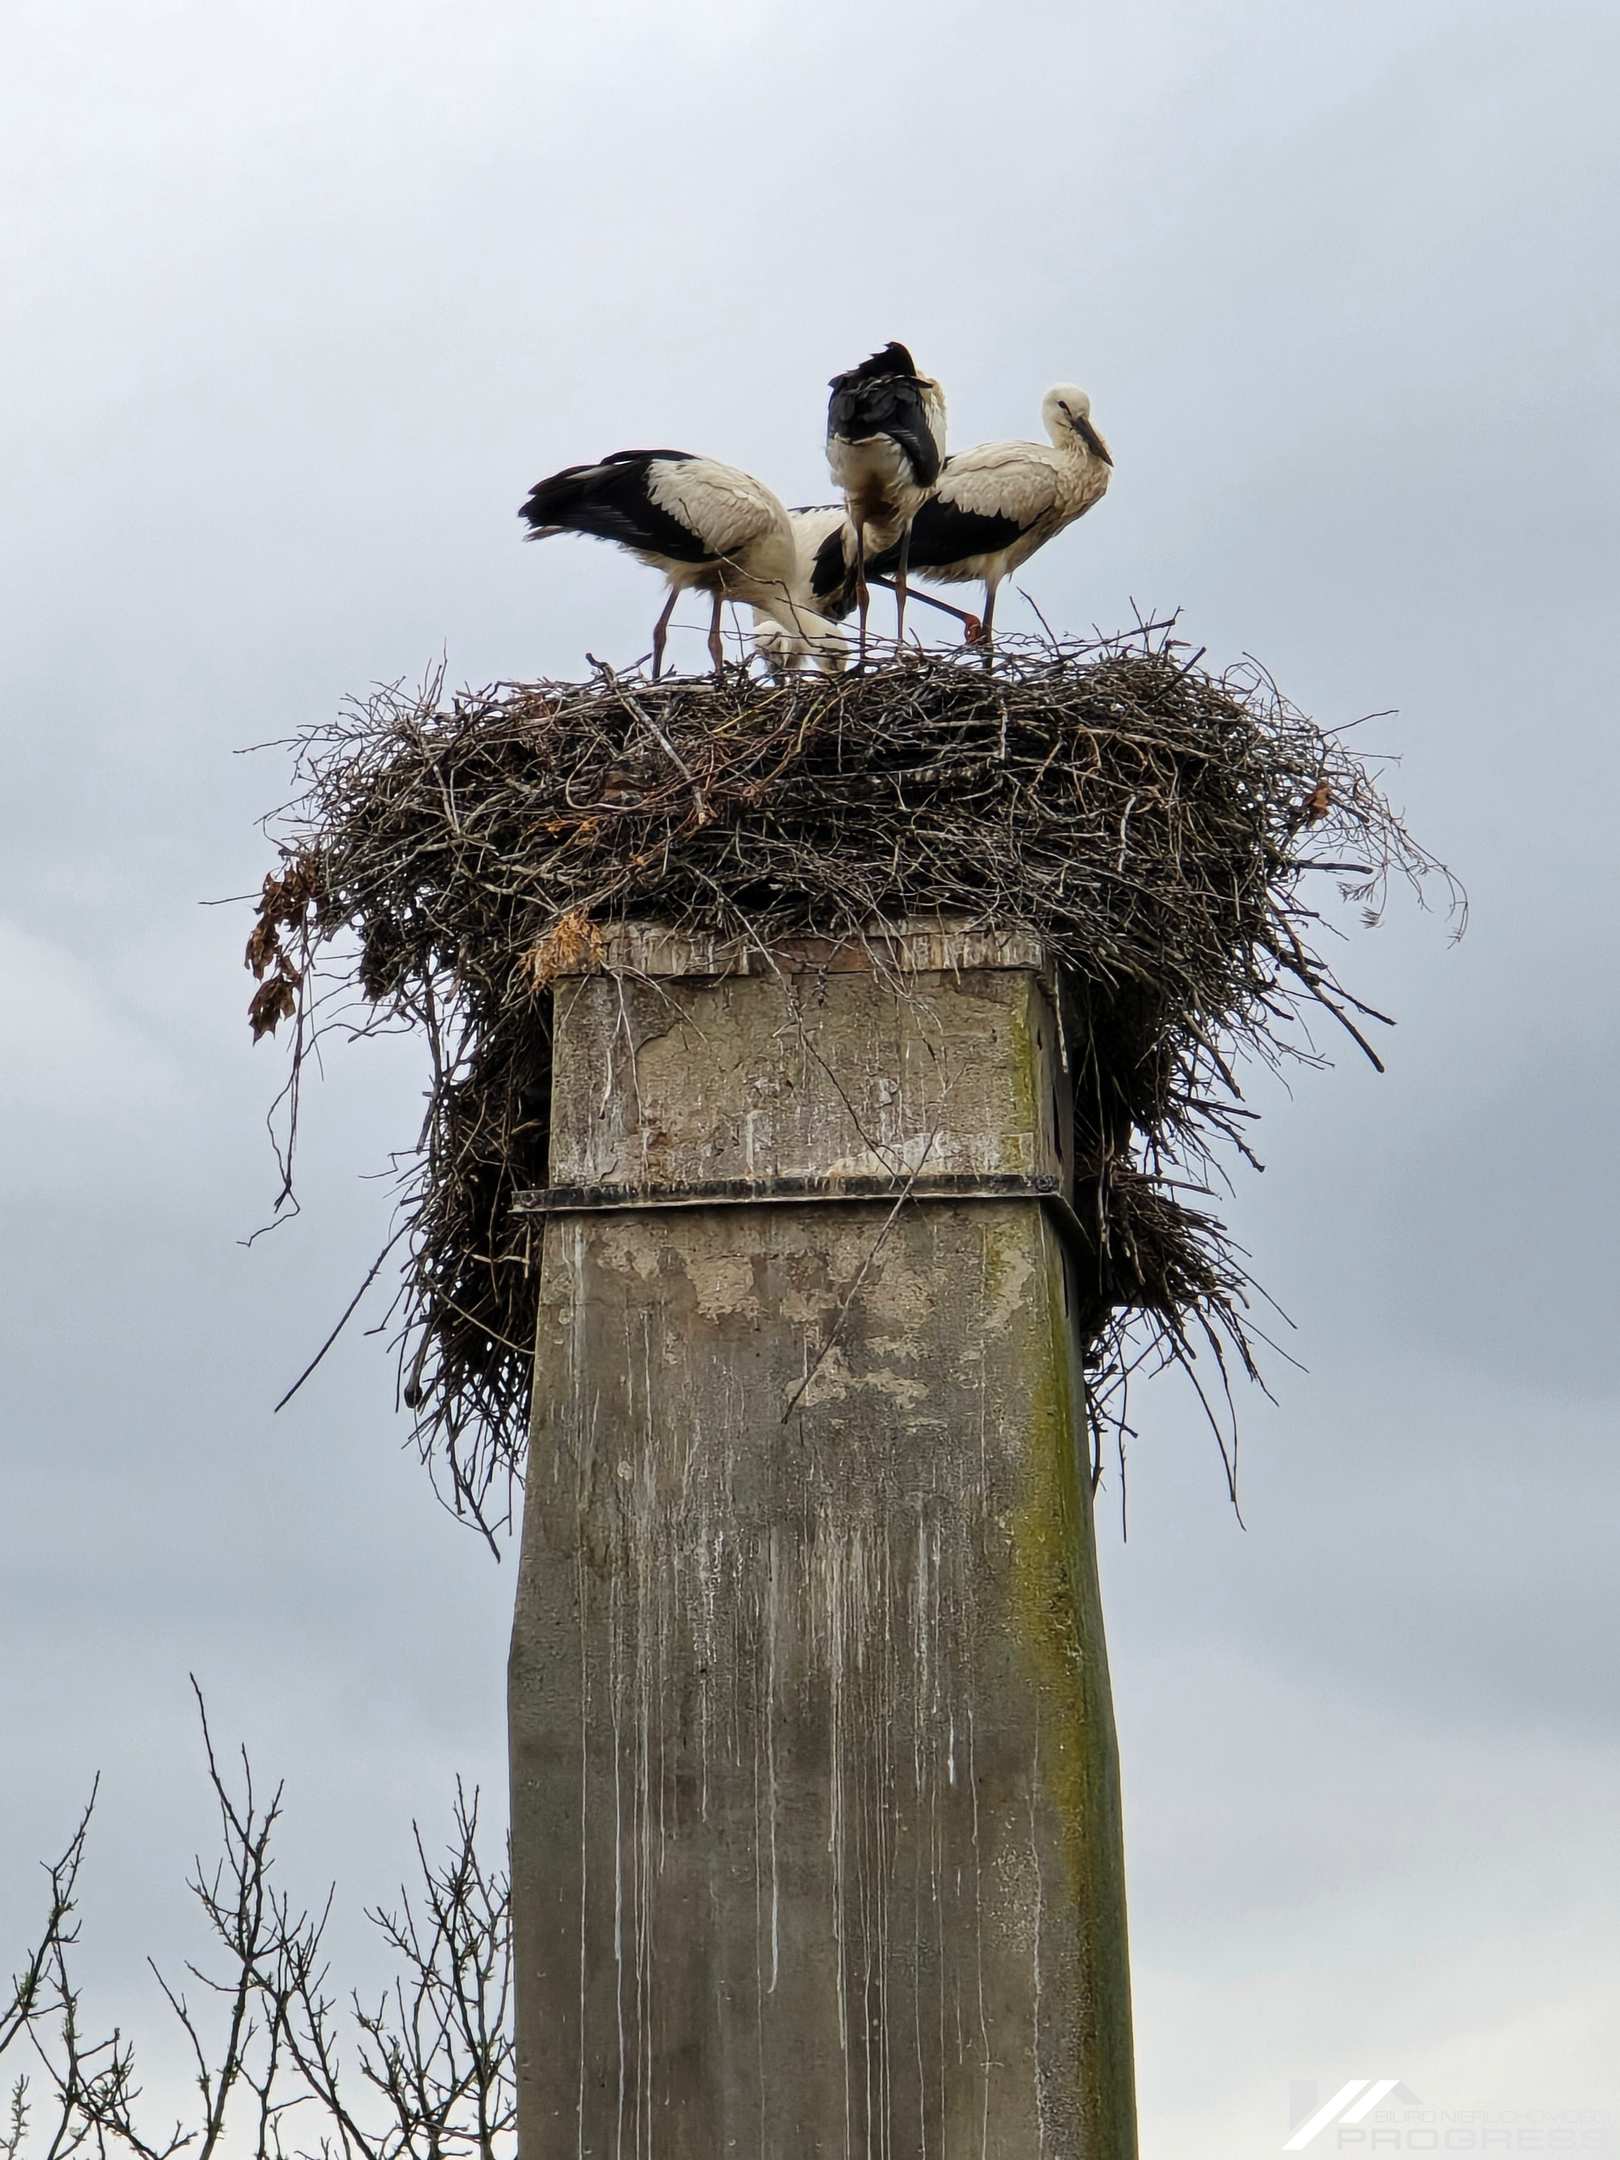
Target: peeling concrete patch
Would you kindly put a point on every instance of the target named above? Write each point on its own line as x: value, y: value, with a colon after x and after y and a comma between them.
x: 1009, y: 1274
x: 624, y: 1247
x: 722, y: 1283
x: 805, y: 1308
x: 833, y: 1381
x: 892, y: 1346
x: 899, y: 1293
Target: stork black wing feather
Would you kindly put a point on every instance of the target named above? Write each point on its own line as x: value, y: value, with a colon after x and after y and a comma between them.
x: 894, y: 359
x: 942, y: 535
x: 878, y: 398
x: 832, y: 579
x: 610, y: 501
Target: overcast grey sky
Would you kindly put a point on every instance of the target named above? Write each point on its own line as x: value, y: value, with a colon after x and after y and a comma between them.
x: 302, y: 298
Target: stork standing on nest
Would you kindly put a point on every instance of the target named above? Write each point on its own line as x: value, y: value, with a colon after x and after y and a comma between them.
x: 825, y: 542
x: 824, y: 578
x: 708, y: 527
x: 885, y: 445
x: 999, y: 502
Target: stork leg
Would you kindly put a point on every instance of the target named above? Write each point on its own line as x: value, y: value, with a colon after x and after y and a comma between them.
x: 900, y: 562
x: 863, y: 593
x: 985, y: 637
x: 717, y: 650
x: 661, y: 632
x: 973, y: 625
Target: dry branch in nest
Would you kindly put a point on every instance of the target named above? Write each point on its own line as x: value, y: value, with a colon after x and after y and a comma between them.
x: 1163, y: 829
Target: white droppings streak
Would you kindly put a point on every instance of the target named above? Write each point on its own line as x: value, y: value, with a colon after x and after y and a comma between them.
x: 1035, y: 1862
x: 721, y: 1623
x: 581, y: 1597
x: 978, y: 1936
x: 615, y: 1649
x: 772, y: 1622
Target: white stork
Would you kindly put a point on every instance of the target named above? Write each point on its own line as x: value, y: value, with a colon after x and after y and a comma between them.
x: 708, y: 527
x: 999, y: 502
x: 885, y: 445
x: 824, y: 540
x: 824, y: 579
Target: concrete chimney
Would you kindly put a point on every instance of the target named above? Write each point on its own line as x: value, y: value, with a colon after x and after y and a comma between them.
x: 815, y: 1804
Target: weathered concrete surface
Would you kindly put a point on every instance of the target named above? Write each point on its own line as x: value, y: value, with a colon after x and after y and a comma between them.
x: 815, y: 1810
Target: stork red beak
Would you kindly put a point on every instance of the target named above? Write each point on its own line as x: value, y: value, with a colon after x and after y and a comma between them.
x: 1092, y: 440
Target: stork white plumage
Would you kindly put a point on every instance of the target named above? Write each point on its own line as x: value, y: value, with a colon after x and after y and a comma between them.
x: 708, y: 527
x: 885, y: 445
x: 998, y: 502
x: 824, y: 541
x: 824, y: 579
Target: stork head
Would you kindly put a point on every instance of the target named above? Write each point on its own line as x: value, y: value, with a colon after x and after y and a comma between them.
x: 1066, y: 410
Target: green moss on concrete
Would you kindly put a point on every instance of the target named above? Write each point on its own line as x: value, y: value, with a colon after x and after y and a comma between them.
x: 1025, y: 1066
x: 1058, y: 1611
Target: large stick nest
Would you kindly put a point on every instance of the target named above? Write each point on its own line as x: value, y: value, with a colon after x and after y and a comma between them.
x: 1164, y: 830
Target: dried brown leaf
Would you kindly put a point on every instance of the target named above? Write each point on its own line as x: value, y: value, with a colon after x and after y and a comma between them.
x: 271, y: 1003
x: 571, y: 942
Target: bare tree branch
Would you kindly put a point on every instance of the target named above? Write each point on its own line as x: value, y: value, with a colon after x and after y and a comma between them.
x: 265, y: 2036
